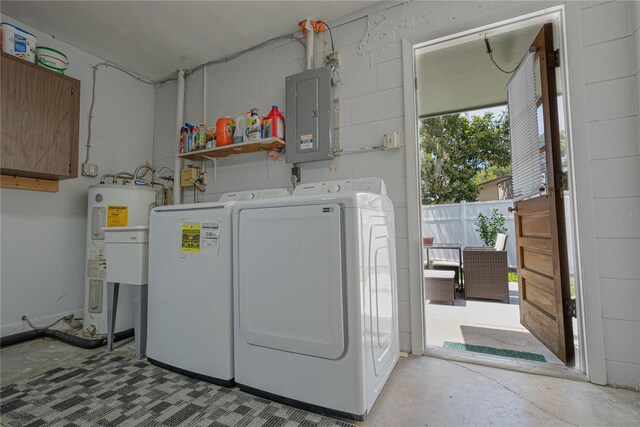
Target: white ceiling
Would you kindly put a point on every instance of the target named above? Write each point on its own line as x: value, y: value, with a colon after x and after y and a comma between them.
x: 155, y: 38
x: 462, y: 77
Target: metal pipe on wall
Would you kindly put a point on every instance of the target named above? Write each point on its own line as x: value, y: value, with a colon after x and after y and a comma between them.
x: 177, y: 165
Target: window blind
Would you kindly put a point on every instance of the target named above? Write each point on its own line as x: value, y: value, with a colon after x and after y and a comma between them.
x: 526, y: 131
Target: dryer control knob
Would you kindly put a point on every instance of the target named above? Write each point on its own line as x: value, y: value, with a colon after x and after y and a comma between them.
x: 248, y: 196
x: 334, y: 188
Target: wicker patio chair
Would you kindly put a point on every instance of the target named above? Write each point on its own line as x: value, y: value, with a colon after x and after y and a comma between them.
x: 486, y: 272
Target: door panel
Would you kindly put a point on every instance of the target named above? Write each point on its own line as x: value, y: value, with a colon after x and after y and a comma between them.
x: 290, y: 279
x: 536, y: 226
x: 540, y: 231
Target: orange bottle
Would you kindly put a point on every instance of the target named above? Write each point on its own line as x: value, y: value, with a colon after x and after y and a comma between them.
x: 225, y: 127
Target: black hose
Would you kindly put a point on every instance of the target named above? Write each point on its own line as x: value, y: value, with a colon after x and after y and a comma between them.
x: 64, y: 337
x: 18, y: 338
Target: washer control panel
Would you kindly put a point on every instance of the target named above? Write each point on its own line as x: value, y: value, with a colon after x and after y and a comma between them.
x: 270, y: 193
x: 365, y: 185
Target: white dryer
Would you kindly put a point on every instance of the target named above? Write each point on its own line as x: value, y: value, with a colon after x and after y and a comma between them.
x: 190, y: 321
x: 315, y: 303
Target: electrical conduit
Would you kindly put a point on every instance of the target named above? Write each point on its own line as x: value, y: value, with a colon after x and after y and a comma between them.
x: 310, y: 36
x: 177, y: 165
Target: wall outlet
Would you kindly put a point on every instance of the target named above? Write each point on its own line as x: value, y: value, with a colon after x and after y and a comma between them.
x: 392, y: 140
x: 332, y: 59
x: 89, y: 169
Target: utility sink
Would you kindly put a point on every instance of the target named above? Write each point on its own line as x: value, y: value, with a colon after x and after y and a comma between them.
x: 127, y: 253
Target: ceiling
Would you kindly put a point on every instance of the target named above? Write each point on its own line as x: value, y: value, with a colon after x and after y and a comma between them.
x: 462, y: 77
x: 155, y: 38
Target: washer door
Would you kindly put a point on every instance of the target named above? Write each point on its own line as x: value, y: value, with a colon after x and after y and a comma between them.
x: 290, y: 294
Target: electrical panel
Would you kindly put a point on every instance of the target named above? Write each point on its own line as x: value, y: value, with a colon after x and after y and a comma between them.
x: 309, y: 116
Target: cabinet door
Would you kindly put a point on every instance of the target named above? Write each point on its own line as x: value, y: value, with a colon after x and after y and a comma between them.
x: 40, y: 111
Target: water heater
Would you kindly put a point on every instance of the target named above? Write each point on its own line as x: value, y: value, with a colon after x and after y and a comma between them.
x: 110, y: 205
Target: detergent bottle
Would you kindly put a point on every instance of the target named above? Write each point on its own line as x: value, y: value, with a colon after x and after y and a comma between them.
x: 241, y: 128
x: 274, y: 124
x: 253, y: 126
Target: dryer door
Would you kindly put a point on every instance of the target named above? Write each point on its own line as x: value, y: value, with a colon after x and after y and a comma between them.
x: 290, y: 285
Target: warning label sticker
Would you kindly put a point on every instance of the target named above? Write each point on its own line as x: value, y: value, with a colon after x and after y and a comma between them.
x: 117, y: 216
x: 190, y: 238
x: 210, y: 237
x: 306, y: 141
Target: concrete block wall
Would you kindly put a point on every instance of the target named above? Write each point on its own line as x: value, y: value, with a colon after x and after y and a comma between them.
x: 370, y: 105
x: 611, y: 40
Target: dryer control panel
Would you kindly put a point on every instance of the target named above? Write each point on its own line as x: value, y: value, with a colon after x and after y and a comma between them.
x: 270, y: 193
x: 368, y: 185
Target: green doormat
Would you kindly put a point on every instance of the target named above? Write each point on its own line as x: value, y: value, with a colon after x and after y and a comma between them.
x: 495, y: 351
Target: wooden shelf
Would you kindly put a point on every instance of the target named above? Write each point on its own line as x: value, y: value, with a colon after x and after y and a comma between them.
x: 35, y: 184
x: 267, y: 144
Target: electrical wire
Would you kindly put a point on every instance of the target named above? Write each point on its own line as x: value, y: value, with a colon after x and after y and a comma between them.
x: 67, y: 317
x: 333, y: 48
x: 490, y: 53
x: 93, y: 97
x: 235, y: 55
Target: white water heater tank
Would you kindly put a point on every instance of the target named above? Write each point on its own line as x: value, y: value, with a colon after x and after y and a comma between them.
x: 110, y: 205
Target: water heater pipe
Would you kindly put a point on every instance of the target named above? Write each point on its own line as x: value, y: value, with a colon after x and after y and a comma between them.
x: 310, y: 36
x: 177, y: 164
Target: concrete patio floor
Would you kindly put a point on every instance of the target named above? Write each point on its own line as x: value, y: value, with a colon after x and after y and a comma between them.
x: 482, y: 322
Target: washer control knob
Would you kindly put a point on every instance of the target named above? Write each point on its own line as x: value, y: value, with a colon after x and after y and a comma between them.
x: 334, y: 188
x: 248, y: 196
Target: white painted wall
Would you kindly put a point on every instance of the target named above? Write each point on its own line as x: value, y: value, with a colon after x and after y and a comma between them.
x: 371, y: 104
x: 43, y: 234
x: 611, y: 55
x: 601, y: 36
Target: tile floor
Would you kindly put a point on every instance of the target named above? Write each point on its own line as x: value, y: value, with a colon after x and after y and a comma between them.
x: 422, y: 391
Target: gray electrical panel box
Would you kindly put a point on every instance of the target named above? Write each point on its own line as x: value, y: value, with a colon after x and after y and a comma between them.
x: 309, y: 111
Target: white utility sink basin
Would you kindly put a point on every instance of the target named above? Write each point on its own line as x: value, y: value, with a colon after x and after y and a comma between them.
x: 127, y: 254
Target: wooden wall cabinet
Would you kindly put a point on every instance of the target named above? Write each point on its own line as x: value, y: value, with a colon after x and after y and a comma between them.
x: 39, y: 121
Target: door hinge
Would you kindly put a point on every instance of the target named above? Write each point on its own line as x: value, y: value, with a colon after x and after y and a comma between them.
x: 554, y: 58
x: 562, y: 182
x: 570, y: 308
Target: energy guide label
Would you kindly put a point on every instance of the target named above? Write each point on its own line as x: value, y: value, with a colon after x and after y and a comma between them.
x: 117, y: 216
x: 210, y: 239
x: 191, y: 238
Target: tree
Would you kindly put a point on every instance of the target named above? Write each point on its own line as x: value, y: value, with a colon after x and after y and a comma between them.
x: 456, y: 149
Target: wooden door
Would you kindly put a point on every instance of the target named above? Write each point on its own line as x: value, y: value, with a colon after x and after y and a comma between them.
x: 40, y: 121
x: 543, y: 273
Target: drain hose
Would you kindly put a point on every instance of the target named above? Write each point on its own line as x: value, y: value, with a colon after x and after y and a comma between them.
x: 62, y: 336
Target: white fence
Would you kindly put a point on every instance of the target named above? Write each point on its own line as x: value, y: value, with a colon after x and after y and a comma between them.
x: 455, y: 223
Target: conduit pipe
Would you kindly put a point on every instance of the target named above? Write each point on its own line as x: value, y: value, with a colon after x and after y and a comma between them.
x: 310, y: 37
x: 177, y: 164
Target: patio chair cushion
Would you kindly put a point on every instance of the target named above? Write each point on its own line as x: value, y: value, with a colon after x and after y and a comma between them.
x: 501, y: 242
x: 446, y: 264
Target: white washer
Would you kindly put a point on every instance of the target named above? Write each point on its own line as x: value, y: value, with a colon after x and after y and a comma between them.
x: 315, y: 303
x: 190, y: 321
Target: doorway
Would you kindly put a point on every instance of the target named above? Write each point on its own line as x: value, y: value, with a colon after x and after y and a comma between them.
x: 463, y: 80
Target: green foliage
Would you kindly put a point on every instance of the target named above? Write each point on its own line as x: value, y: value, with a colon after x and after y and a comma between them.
x: 490, y: 226
x: 455, y: 149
